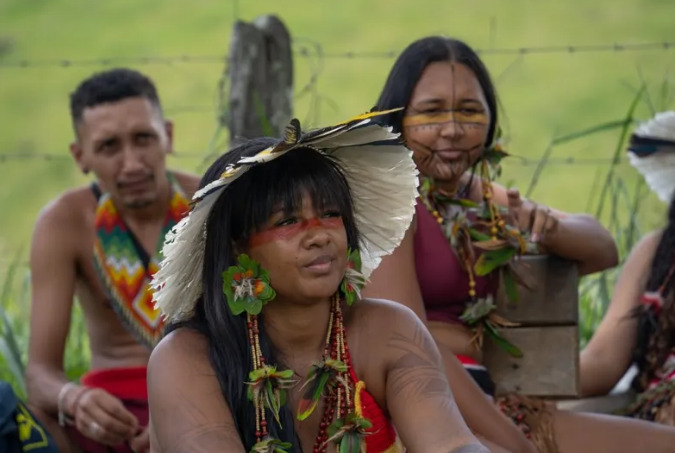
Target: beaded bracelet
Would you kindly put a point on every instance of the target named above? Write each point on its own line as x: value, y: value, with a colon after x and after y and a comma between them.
x: 63, y: 417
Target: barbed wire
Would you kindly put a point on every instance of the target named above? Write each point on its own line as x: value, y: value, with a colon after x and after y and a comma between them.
x: 112, y: 61
x: 616, y: 47
x: 310, y: 52
x: 519, y: 160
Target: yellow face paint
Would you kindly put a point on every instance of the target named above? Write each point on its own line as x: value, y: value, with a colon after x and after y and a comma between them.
x: 439, y: 117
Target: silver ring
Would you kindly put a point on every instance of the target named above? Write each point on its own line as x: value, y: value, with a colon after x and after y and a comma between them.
x: 94, y: 428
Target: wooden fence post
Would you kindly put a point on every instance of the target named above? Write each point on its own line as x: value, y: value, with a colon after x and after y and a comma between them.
x: 261, y: 79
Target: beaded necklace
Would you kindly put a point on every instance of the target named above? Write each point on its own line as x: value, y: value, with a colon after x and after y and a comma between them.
x: 328, y: 378
x: 126, y: 269
x: 488, y: 232
x: 458, y: 230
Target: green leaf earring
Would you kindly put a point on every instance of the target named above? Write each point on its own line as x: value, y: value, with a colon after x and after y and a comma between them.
x: 247, y: 286
x: 353, y: 281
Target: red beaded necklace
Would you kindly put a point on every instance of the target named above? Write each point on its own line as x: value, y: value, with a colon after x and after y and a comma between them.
x: 336, y: 348
x: 339, y: 396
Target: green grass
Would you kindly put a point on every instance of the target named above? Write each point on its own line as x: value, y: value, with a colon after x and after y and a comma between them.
x: 546, y: 98
x: 14, y: 329
x: 13, y: 332
x: 544, y: 95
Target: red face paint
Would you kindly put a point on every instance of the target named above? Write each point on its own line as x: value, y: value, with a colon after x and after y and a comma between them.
x: 286, y: 232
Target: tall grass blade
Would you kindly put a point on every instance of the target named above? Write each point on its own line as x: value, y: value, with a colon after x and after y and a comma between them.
x: 590, y: 131
x: 10, y: 351
x: 620, y: 148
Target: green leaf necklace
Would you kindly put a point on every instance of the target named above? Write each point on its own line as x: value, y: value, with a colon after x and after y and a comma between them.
x: 499, y: 244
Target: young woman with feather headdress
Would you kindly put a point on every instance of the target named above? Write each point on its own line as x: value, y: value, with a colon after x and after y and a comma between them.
x: 271, y: 348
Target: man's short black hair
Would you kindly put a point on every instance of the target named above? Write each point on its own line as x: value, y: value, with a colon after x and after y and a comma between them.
x: 111, y: 86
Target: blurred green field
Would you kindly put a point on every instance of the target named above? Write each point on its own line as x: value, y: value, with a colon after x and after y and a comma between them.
x: 543, y: 95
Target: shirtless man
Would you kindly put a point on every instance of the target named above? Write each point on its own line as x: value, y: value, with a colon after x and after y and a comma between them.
x: 99, y: 243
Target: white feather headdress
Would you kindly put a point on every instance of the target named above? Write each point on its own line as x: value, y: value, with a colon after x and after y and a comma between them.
x: 652, y: 153
x: 382, y: 177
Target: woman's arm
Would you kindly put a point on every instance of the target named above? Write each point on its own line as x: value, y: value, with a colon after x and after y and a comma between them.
x: 418, y: 395
x: 607, y: 356
x: 480, y: 413
x: 396, y: 279
x: 581, y: 238
x: 578, y: 237
x: 187, y: 409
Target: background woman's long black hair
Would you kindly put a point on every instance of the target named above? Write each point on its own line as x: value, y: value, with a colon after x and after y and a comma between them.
x: 656, y: 335
x: 243, y: 209
x: 412, y: 62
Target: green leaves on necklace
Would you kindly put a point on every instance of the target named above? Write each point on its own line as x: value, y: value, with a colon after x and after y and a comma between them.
x: 490, y: 260
x: 321, y: 375
x: 271, y: 445
x: 481, y: 316
x: 348, y: 433
x: 269, y: 386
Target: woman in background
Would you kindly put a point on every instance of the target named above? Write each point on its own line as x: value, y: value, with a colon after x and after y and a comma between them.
x: 450, y: 122
x: 639, y: 326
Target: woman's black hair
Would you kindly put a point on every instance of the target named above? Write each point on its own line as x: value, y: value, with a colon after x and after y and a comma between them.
x: 412, y: 62
x: 242, y: 209
x: 656, y: 334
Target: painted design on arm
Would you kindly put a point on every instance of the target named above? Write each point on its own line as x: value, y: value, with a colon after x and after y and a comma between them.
x: 205, y: 438
x: 416, y: 374
x: 419, y: 398
x: 198, y: 435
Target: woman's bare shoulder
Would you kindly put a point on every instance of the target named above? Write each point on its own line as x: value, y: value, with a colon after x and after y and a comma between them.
x: 650, y: 241
x: 382, y: 307
x: 638, y: 263
x: 382, y: 316
x: 184, y: 349
x: 188, y: 409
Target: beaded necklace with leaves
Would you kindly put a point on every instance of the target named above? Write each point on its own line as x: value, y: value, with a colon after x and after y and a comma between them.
x: 247, y: 289
x: 486, y: 230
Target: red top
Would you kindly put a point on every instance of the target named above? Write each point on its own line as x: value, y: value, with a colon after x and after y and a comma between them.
x: 381, y: 437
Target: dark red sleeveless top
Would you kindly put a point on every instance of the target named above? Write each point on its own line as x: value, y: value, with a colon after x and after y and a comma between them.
x: 443, y: 282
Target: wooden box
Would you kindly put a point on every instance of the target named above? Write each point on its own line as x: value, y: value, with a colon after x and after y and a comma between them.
x: 551, y: 296
x: 548, y: 334
x: 549, y: 366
